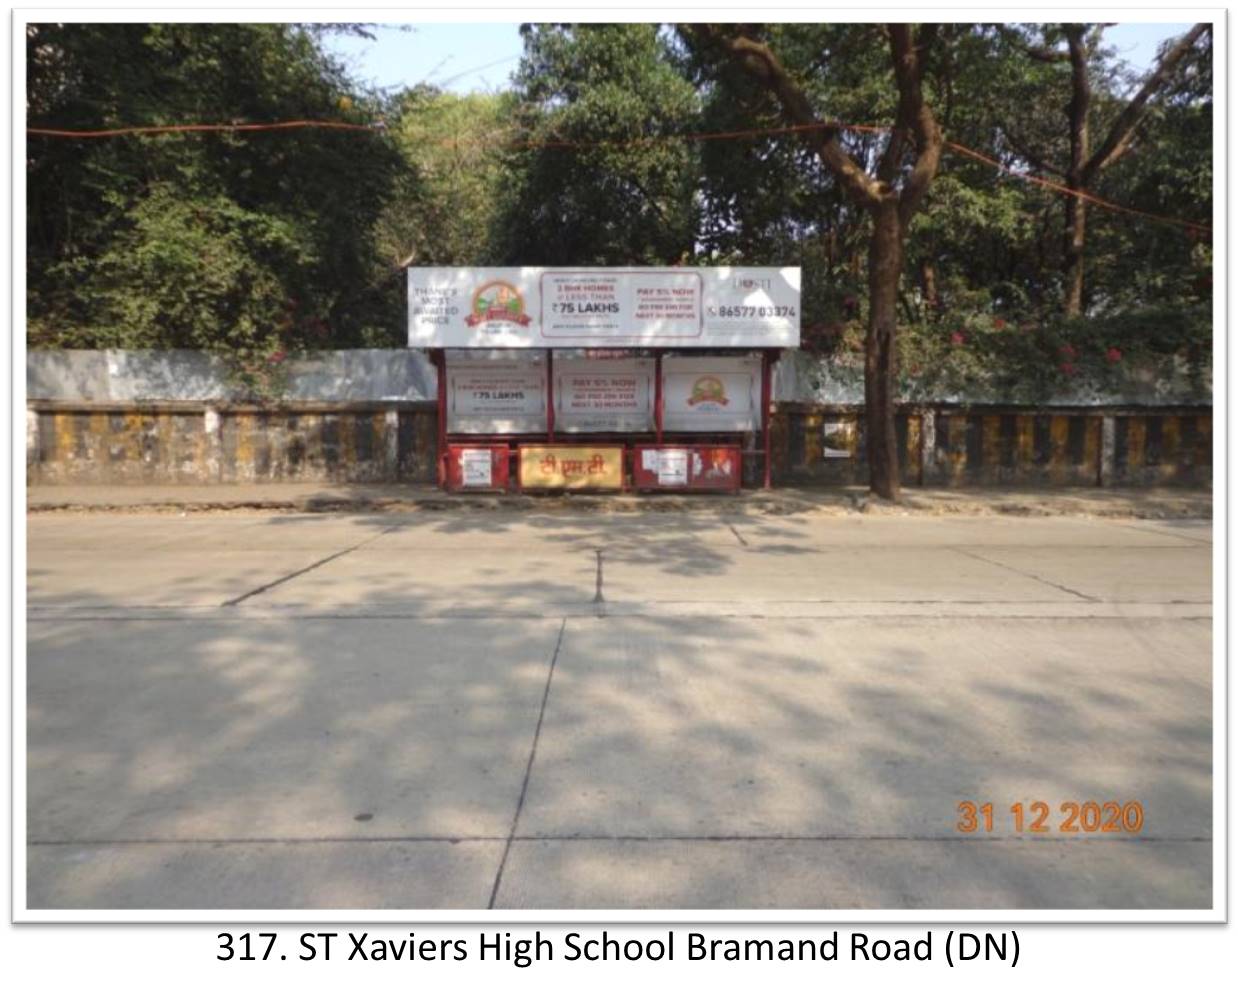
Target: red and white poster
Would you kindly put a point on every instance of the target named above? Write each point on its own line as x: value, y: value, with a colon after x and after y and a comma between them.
x: 604, y: 395
x: 534, y: 307
x: 606, y: 305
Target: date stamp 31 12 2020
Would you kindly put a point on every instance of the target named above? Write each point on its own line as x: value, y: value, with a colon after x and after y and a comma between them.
x: 1072, y: 817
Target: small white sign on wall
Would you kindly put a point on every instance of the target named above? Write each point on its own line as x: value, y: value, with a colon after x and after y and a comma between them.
x: 672, y: 467
x: 836, y: 440
x: 476, y: 468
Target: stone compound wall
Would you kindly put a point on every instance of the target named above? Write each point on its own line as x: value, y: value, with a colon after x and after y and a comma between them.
x: 195, y: 444
x: 114, y: 417
x: 995, y: 445
x: 167, y: 417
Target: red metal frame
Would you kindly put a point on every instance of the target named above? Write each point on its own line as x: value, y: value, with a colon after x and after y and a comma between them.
x: 766, y: 393
x: 440, y: 366
x: 657, y: 394
x: 550, y: 395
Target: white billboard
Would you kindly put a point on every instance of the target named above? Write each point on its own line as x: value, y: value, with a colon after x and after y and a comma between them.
x: 496, y: 393
x: 547, y: 307
x: 604, y: 395
x: 711, y: 393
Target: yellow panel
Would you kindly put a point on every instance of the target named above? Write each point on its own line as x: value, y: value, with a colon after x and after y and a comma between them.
x: 812, y: 440
x: 576, y: 468
x: 348, y: 442
x: 913, y: 446
x: 958, y: 447
x: 1136, y: 440
x: 1025, y: 441
x: 1091, y: 447
x: 133, y: 437
x: 1059, y: 455
x: 1171, y: 438
x: 244, y: 446
x: 1203, y: 441
x: 991, y: 442
x: 66, y: 443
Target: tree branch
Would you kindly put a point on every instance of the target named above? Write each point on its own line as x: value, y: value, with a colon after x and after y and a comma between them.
x: 759, y: 61
x: 1118, y: 140
x: 914, y: 113
x: 1040, y: 53
x: 1022, y: 149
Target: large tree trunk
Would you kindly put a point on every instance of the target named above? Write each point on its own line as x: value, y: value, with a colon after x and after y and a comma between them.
x: 1086, y: 165
x: 1076, y: 218
x: 885, y: 265
x: 891, y: 197
x: 1076, y: 172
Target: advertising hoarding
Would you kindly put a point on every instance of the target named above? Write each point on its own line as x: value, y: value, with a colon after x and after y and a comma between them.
x: 539, y: 307
x: 604, y: 395
x: 711, y: 393
x: 496, y: 392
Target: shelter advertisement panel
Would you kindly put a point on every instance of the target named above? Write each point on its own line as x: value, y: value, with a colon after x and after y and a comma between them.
x: 604, y: 395
x: 574, y: 468
x: 536, y: 307
x: 496, y: 393
x: 706, y: 467
x: 711, y: 393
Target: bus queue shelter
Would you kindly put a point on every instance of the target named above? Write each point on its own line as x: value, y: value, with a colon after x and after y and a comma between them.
x: 622, y: 378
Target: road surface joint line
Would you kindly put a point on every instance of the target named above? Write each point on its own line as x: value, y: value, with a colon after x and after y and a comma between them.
x: 528, y: 768
x: 232, y: 602
x: 554, y: 838
x: 598, y: 598
x: 250, y: 841
x: 214, y: 613
x: 1192, y: 541
x: 1026, y: 574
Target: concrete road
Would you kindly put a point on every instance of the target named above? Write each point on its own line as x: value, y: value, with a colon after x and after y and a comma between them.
x: 573, y: 711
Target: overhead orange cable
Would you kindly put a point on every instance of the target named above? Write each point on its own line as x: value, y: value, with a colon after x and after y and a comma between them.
x: 1081, y: 194
x: 171, y: 129
x: 640, y: 140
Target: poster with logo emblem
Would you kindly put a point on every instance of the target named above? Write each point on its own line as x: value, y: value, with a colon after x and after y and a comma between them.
x: 711, y: 393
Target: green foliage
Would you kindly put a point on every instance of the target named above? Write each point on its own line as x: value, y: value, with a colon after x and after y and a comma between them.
x: 247, y: 245
x: 261, y: 245
x: 973, y: 353
x: 451, y: 190
x: 592, y: 181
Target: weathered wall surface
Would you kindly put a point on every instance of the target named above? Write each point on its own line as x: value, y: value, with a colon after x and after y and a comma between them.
x: 994, y: 445
x: 369, y: 416
x: 148, y: 416
x: 344, y: 375
x: 187, y: 444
